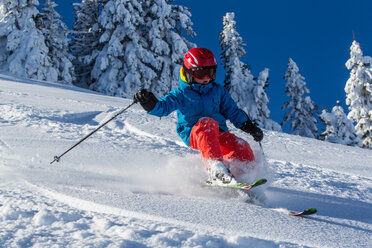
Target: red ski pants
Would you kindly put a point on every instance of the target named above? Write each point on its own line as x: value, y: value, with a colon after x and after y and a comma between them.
x: 218, y: 145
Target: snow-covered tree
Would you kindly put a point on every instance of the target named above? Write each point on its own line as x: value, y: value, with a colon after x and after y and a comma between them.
x: 142, y: 46
x: 165, y: 24
x: 123, y: 64
x: 23, y: 51
x: 232, y: 46
x: 249, y: 94
x: 85, y: 40
x: 238, y: 77
x: 301, y: 109
x: 261, y: 101
x: 359, y: 93
x: 339, y: 129
x: 56, y: 40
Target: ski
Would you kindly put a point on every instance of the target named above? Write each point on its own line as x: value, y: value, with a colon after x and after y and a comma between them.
x: 243, y: 186
x: 309, y: 211
x: 248, y: 186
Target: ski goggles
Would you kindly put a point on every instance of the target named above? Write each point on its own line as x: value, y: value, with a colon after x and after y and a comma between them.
x: 202, y: 72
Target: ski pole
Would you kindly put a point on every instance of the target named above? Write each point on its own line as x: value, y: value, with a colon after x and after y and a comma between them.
x: 57, y: 158
x: 261, y: 148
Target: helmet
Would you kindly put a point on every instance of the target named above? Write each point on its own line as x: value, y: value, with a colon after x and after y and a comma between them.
x: 199, y: 57
x: 199, y: 63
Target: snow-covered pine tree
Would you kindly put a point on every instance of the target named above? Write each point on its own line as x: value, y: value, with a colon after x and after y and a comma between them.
x: 143, y: 45
x: 85, y: 40
x: 232, y: 46
x: 261, y: 99
x: 22, y: 46
x: 301, y: 109
x: 123, y: 65
x: 246, y: 92
x: 358, y: 90
x: 339, y: 129
x: 165, y: 26
x: 56, y: 40
x: 238, y: 77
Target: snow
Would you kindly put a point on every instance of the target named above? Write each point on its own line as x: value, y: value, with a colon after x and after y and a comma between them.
x: 135, y: 184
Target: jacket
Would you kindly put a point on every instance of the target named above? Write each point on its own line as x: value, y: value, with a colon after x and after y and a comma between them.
x: 195, y: 101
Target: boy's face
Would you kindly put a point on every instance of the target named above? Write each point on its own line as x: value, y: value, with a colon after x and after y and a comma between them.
x: 204, y: 80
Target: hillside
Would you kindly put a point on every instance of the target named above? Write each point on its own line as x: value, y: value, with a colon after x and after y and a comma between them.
x: 135, y: 184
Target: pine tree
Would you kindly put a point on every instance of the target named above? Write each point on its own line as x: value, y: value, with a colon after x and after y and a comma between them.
x: 165, y: 25
x: 85, y: 40
x: 142, y: 46
x: 339, y: 129
x: 249, y: 94
x: 359, y: 93
x: 122, y: 65
x: 261, y: 100
x: 232, y: 46
x: 23, y: 51
x: 301, y: 109
x: 55, y: 33
x: 238, y: 77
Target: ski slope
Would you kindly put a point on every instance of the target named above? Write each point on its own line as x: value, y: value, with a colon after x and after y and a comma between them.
x: 135, y: 184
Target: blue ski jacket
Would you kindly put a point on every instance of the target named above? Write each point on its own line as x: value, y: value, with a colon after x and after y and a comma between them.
x: 195, y: 101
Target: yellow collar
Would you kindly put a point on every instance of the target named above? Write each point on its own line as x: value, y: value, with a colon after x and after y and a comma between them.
x: 183, y: 76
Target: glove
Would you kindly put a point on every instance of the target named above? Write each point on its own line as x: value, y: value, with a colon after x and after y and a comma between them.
x: 146, y: 99
x: 252, y: 129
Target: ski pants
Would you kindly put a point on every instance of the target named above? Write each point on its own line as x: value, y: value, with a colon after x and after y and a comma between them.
x: 218, y: 145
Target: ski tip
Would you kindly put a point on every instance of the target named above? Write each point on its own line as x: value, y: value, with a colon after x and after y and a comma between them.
x: 309, y: 211
x: 261, y: 181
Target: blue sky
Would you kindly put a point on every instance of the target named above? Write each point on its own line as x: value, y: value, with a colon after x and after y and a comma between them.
x: 316, y: 34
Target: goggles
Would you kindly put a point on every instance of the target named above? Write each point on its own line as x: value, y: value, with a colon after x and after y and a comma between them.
x: 202, y: 72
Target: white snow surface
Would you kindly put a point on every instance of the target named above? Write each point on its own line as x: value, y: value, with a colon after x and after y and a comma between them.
x: 135, y: 184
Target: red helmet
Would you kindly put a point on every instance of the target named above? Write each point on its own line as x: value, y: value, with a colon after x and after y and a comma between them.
x: 199, y: 57
x: 199, y: 63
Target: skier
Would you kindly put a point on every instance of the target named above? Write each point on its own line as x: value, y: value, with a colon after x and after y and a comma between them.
x: 202, y: 110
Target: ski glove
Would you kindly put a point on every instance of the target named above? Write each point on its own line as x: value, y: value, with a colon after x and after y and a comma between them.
x: 146, y: 99
x: 253, y: 129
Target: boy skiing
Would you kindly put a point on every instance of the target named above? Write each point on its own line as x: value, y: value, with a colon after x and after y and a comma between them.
x: 202, y: 110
